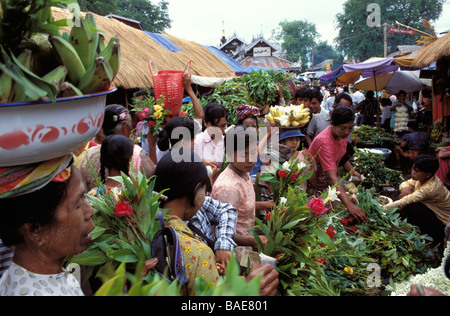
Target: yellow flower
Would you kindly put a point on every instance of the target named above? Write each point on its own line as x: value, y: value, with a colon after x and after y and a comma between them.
x: 348, y: 270
x: 204, y: 263
x: 187, y: 249
x: 157, y: 108
x: 157, y: 114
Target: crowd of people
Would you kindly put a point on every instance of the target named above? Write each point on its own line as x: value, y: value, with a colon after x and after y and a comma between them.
x: 214, y: 191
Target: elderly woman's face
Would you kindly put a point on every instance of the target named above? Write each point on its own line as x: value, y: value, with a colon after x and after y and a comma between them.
x: 70, y: 233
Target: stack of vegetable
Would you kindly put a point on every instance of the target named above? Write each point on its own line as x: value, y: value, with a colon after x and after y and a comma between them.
x: 37, y: 62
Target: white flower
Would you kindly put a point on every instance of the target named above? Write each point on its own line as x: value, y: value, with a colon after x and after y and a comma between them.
x: 301, y: 165
x: 283, y: 201
x: 286, y: 166
x: 332, y: 195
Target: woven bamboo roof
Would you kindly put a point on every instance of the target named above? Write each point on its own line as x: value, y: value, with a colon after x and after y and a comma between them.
x: 137, y: 48
x: 430, y: 53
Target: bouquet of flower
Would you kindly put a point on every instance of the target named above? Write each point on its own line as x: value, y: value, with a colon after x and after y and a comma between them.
x: 124, y: 224
x: 152, y: 111
x: 287, y: 174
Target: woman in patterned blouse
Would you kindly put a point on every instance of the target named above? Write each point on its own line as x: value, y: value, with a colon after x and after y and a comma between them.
x: 188, y: 183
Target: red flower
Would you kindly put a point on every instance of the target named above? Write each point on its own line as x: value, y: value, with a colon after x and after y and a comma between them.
x: 123, y: 209
x: 151, y: 124
x: 282, y: 174
x: 330, y: 232
x: 268, y: 216
x: 294, y: 176
x: 317, y: 207
x: 353, y: 228
x: 357, y: 139
x: 321, y: 260
x: 348, y: 220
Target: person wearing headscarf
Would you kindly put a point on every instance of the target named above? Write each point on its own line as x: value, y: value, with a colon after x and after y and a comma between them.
x: 46, y: 219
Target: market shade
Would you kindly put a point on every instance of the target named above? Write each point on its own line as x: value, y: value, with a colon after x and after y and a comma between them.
x: 430, y: 53
x: 350, y: 73
x: 138, y: 47
x: 392, y: 82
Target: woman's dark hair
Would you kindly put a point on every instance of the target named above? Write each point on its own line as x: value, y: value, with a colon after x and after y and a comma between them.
x: 386, y: 102
x: 426, y: 163
x: 304, y: 92
x: 447, y: 267
x: 115, y: 153
x: 413, y: 125
x: 113, y: 122
x: 401, y: 92
x: 239, y: 138
x: 315, y: 93
x: 37, y: 209
x: 213, y: 113
x: 341, y: 96
x: 341, y: 115
x: 167, y: 140
x: 370, y: 94
x: 181, y: 178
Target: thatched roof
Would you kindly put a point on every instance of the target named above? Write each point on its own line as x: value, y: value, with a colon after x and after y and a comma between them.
x: 137, y: 48
x: 432, y: 52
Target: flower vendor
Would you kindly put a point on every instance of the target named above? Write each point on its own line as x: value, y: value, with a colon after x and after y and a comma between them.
x: 328, y: 148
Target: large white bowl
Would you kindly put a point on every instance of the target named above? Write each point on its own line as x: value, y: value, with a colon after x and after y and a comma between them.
x: 37, y: 131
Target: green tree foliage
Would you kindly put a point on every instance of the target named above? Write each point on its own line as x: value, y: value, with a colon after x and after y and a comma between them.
x: 153, y: 17
x: 357, y: 39
x: 298, y: 38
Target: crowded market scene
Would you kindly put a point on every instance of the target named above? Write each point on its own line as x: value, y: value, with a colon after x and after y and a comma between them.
x: 138, y: 163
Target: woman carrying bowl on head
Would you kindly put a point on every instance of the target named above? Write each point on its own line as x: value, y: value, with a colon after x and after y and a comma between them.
x: 46, y: 219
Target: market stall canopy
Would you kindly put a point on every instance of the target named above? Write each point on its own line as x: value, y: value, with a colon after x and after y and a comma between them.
x: 138, y: 47
x: 430, y: 53
x: 238, y: 68
x: 350, y: 73
x: 392, y: 82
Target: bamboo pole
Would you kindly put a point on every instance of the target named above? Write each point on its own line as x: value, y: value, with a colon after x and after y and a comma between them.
x: 411, y: 28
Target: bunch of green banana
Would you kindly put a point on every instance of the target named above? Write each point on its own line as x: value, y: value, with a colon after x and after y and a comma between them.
x: 289, y: 116
x: 92, y: 65
x: 20, y: 84
x: 87, y: 64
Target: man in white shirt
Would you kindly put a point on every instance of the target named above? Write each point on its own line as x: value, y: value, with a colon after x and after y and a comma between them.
x: 357, y: 97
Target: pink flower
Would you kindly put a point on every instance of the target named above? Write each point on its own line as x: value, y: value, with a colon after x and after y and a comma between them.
x: 144, y: 114
x: 317, y: 207
x: 123, y: 209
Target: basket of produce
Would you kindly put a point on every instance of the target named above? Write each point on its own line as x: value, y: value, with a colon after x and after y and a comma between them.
x: 293, y: 116
x: 53, y: 83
